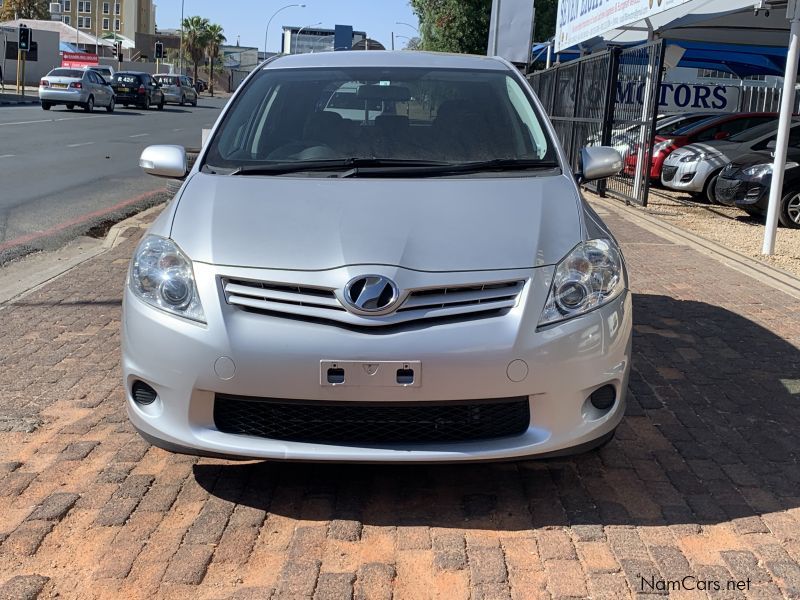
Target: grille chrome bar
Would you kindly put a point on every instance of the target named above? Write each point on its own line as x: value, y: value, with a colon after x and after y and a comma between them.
x: 468, y: 300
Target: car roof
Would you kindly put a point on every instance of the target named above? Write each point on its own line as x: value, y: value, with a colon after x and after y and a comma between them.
x: 714, y: 120
x: 131, y: 73
x: 384, y: 58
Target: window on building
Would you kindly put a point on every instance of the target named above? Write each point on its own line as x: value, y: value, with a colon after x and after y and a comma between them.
x: 66, y: 20
x: 116, y: 24
x: 717, y: 74
x: 106, y: 8
x: 67, y: 5
x: 106, y: 24
x: 116, y: 8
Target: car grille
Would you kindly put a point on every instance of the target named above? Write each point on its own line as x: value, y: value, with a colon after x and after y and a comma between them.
x: 290, y: 300
x: 668, y: 172
x: 367, y: 423
x: 727, y: 190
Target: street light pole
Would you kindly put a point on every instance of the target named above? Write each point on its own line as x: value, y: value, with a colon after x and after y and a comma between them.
x: 180, y: 51
x: 297, y: 35
x: 407, y: 25
x: 266, y: 31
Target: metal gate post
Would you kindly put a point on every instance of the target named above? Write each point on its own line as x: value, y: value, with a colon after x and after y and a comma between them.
x: 608, y: 109
x: 651, y: 126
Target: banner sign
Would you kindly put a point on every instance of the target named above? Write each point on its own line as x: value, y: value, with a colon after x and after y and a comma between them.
x: 580, y: 20
x: 78, y: 59
x: 683, y: 97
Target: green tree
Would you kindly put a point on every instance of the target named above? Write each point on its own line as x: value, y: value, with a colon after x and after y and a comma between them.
x: 214, y: 39
x: 454, y: 25
x: 24, y: 9
x: 544, y: 24
x: 195, y: 36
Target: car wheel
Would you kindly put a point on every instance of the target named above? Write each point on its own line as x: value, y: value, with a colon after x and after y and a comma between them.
x: 89, y: 106
x: 183, y: 100
x: 161, y: 104
x: 790, y: 210
x: 46, y: 105
x: 194, y: 102
x: 708, y: 190
x: 147, y: 102
x: 70, y: 106
x: 110, y: 107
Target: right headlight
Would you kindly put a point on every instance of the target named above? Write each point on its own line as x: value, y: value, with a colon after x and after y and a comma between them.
x: 590, y: 276
x: 161, y: 275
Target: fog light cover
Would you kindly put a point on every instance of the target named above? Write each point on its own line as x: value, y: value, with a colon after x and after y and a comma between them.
x: 587, y: 278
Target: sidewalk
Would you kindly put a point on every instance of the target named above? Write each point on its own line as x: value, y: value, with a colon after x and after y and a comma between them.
x: 700, y: 485
x: 9, y: 96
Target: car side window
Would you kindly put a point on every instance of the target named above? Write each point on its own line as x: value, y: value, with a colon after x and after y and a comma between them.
x: 707, y: 134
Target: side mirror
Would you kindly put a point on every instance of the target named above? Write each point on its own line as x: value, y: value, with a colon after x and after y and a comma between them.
x: 771, y: 144
x: 164, y: 161
x: 598, y: 162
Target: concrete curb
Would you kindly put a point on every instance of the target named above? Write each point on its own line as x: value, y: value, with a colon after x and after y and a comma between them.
x: 773, y: 277
x: 16, y: 284
x: 19, y: 102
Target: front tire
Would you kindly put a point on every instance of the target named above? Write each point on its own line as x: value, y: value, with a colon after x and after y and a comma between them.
x: 89, y: 106
x: 147, y: 102
x: 70, y: 106
x: 111, y: 104
x: 790, y: 210
x: 46, y: 105
x: 708, y: 190
x: 161, y: 104
x: 183, y: 100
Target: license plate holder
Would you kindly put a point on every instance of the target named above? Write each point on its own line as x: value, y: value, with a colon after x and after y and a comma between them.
x: 362, y: 373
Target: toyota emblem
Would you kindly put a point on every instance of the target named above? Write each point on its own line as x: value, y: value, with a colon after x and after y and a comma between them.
x: 371, y: 293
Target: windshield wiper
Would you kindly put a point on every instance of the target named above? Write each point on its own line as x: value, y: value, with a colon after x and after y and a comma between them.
x: 494, y: 165
x: 336, y: 164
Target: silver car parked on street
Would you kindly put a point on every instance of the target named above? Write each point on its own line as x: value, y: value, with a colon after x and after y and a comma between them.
x: 75, y: 87
x: 422, y: 284
x: 177, y: 89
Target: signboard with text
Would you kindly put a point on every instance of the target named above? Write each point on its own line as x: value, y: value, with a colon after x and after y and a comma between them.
x: 78, y: 59
x: 683, y: 97
x: 580, y: 20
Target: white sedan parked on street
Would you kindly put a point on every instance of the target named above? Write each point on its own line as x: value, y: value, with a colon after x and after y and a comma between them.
x: 76, y: 87
x: 427, y: 285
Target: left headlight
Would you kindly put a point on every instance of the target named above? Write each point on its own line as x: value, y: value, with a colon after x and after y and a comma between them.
x: 590, y: 276
x: 162, y: 275
x: 693, y: 157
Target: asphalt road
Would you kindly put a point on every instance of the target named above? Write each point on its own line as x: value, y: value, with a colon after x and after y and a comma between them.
x: 63, y: 172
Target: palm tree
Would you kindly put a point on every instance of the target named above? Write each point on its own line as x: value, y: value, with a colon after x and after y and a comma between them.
x: 214, y: 39
x: 195, y: 31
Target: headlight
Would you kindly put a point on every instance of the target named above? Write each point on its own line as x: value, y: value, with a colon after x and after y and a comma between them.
x: 693, y: 157
x: 162, y: 276
x: 660, y: 146
x: 761, y: 171
x: 588, y: 277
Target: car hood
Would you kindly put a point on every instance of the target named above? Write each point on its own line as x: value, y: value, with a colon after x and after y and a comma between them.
x: 719, y: 149
x: 432, y: 224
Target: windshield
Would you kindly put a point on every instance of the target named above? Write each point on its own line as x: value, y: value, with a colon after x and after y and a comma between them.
x: 683, y: 122
x: 66, y: 73
x: 685, y: 129
x: 448, y: 116
x: 748, y: 135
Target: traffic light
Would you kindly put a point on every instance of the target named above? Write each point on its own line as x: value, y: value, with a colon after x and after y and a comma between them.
x: 118, y: 50
x: 24, y: 38
x: 159, y: 53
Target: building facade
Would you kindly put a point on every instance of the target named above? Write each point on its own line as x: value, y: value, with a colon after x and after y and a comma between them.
x: 104, y: 17
x: 303, y: 40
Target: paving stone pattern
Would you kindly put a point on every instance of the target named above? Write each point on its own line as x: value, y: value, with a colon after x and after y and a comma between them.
x: 701, y: 484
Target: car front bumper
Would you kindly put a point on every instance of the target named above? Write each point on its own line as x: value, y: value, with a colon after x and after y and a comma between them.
x: 255, y: 356
x: 741, y: 193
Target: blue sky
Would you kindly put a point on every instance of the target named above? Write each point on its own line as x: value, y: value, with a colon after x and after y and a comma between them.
x: 248, y: 18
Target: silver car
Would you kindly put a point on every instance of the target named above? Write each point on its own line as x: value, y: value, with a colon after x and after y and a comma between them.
x: 75, y: 87
x: 695, y: 168
x: 177, y: 89
x: 424, y: 285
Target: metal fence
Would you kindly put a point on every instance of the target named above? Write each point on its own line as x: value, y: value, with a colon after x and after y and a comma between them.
x: 608, y: 98
x: 763, y: 99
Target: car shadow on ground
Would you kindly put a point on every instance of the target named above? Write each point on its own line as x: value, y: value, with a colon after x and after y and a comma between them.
x: 710, y: 435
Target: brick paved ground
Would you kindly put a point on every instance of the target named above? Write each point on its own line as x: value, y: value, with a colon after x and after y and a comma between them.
x: 702, y: 479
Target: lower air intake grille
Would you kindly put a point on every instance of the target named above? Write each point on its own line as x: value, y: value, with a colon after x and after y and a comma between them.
x: 352, y: 422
